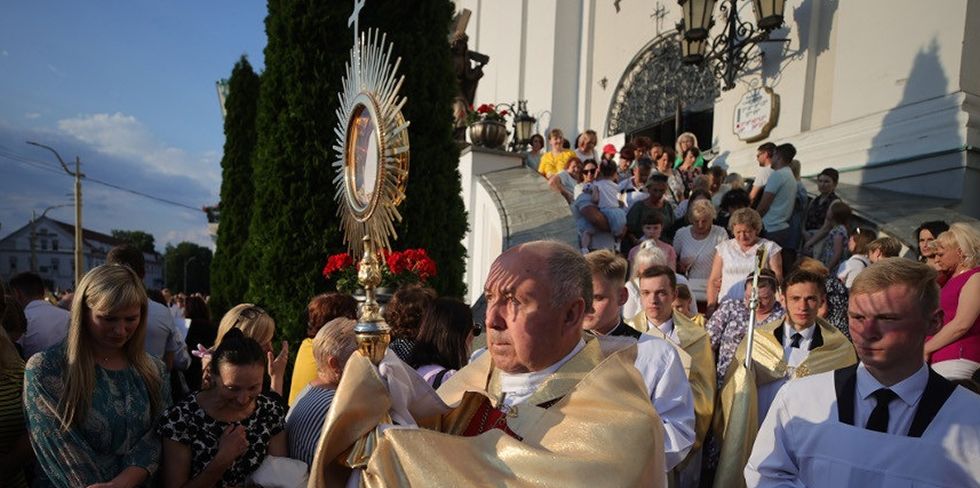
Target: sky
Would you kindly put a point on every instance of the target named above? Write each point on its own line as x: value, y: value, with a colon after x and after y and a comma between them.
x: 129, y: 88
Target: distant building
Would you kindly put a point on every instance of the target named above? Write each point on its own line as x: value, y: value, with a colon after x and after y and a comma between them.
x: 54, y: 249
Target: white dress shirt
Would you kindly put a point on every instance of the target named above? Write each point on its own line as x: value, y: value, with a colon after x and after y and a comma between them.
x: 667, y: 328
x: 520, y: 387
x: 163, y: 336
x: 802, y: 442
x: 670, y: 393
x: 901, y: 410
x: 47, y: 325
x: 796, y: 355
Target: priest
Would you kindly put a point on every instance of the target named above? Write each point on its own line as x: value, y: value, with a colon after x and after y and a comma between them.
x: 548, y: 406
x: 799, y: 345
x: 887, y: 421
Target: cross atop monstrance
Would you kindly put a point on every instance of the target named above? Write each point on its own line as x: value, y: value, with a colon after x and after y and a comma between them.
x: 372, y: 168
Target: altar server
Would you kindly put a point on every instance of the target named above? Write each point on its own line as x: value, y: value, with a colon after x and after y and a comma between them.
x: 889, y: 420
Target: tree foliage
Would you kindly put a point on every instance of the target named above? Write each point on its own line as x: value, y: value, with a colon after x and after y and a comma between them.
x: 193, y: 258
x: 294, y: 225
x: 229, y: 270
x: 433, y: 211
x: 136, y: 238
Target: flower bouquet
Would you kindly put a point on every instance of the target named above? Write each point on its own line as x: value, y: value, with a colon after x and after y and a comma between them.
x: 486, y: 112
x: 397, y: 268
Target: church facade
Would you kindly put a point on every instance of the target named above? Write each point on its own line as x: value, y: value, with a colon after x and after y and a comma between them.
x: 885, y: 91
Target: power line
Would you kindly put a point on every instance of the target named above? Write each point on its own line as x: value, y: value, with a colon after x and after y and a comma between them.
x: 45, y: 167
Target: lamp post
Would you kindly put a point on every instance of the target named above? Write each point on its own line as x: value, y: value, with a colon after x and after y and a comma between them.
x: 77, y: 174
x: 34, y: 218
x: 188, y: 261
x: 523, y: 124
x: 729, y: 50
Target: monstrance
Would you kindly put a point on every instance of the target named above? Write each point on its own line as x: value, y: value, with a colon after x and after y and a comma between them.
x: 372, y: 171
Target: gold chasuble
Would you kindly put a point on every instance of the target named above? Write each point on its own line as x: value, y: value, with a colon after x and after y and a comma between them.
x: 736, y: 420
x: 588, y: 424
x: 699, y: 364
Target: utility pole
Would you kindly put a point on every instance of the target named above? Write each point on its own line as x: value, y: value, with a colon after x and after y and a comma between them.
x: 79, y: 256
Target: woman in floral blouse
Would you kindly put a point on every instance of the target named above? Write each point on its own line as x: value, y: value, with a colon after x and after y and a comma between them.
x: 728, y: 324
x: 93, y: 400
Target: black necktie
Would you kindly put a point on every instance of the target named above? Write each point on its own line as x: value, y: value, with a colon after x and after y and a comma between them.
x: 797, y: 337
x: 878, y: 421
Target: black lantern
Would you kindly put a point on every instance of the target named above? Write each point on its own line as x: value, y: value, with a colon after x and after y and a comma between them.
x: 523, y: 125
x: 769, y: 13
x: 730, y: 49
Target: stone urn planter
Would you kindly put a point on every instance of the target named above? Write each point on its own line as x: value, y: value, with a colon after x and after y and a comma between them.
x: 488, y: 133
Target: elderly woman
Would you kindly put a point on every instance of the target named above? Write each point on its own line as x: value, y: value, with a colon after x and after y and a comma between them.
x: 684, y: 142
x: 728, y: 324
x: 954, y: 351
x: 332, y: 347
x: 646, y: 257
x: 94, y: 399
x: 695, y: 246
x: 258, y: 325
x: 735, y: 258
x: 322, y: 309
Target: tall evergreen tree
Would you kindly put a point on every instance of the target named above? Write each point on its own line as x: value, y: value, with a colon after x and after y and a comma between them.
x: 294, y: 224
x: 229, y: 270
x: 433, y: 211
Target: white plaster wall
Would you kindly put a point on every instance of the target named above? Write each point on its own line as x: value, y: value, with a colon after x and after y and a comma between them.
x: 482, y: 221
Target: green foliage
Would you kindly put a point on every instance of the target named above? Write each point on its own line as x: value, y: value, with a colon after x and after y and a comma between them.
x: 294, y: 223
x: 229, y: 270
x: 136, y: 238
x: 193, y: 258
x: 433, y: 211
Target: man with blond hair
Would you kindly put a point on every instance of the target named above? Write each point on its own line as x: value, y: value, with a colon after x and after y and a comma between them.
x: 656, y: 359
x: 887, y: 421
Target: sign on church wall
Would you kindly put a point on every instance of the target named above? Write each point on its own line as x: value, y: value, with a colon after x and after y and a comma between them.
x: 756, y: 113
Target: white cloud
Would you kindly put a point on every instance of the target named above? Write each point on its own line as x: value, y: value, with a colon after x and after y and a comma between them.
x: 4, y: 53
x: 31, y: 115
x: 197, y: 235
x: 125, y: 137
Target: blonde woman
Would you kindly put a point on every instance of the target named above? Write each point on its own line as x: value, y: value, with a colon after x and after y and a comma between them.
x: 955, y: 350
x: 92, y: 401
x: 259, y: 326
x: 684, y: 142
x: 735, y: 258
x: 332, y: 347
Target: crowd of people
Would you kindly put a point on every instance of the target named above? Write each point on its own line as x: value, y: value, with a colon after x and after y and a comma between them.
x: 628, y: 366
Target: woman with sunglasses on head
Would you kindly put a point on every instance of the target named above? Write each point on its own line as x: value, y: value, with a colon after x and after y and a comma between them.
x: 92, y: 401
x: 221, y: 435
x: 444, y: 340
x: 258, y: 325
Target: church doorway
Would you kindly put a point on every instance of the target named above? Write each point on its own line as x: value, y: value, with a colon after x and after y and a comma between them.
x: 660, y: 97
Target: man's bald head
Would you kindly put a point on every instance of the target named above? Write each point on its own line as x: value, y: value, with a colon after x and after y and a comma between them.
x: 537, y: 295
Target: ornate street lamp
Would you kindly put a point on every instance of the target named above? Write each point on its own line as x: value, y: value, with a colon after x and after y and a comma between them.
x: 523, y: 125
x: 728, y: 52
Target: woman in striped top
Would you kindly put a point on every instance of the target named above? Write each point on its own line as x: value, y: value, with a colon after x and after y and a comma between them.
x: 15, y: 448
x: 332, y: 347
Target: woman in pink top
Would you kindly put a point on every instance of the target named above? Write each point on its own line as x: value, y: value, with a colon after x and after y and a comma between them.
x: 954, y: 351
